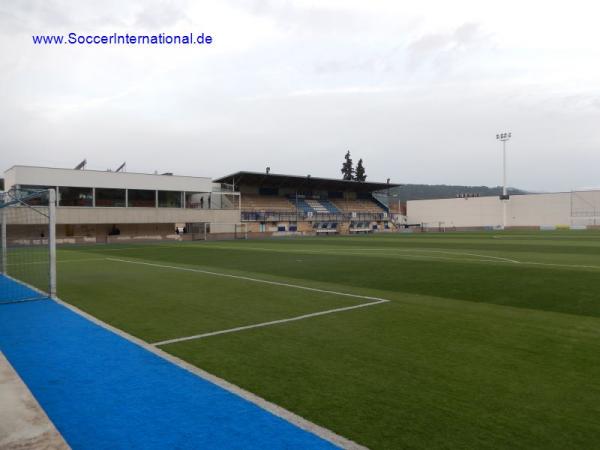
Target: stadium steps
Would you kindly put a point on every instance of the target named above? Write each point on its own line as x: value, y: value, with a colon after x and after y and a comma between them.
x: 317, y: 206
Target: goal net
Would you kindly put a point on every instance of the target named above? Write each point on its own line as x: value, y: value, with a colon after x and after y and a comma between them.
x: 28, y: 256
x: 585, y: 208
x: 207, y: 231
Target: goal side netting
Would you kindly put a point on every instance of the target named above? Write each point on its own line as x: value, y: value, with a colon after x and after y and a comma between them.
x: 207, y: 231
x: 27, y: 245
x: 585, y: 208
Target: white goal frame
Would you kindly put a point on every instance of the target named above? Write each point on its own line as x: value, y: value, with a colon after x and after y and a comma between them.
x: 15, y: 199
x: 238, y: 230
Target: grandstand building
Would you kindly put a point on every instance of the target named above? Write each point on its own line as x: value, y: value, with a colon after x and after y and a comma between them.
x: 275, y: 204
x: 104, y: 206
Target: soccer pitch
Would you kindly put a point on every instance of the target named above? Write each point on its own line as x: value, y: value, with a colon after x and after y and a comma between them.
x: 478, y: 340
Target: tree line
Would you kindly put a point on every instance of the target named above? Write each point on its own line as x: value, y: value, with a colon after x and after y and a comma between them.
x: 350, y: 173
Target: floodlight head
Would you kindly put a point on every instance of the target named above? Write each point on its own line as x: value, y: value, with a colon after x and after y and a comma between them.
x: 503, y: 136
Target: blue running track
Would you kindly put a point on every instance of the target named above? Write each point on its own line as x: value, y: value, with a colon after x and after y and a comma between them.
x: 11, y: 292
x: 105, y: 392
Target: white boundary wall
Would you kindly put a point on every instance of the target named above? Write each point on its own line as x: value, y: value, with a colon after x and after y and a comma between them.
x: 532, y: 210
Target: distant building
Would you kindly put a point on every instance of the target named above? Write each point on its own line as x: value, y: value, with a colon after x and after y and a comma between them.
x: 577, y: 209
x: 277, y: 204
x: 102, y: 206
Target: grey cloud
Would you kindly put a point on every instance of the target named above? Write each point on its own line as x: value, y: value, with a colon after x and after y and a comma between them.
x: 51, y: 16
x: 339, y: 66
x: 20, y: 15
x: 159, y: 14
x: 291, y: 16
x: 379, y: 60
x: 314, y: 82
x: 442, y: 50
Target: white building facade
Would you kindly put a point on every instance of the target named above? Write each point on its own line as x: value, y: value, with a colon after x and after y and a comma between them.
x: 563, y: 209
x: 102, y: 206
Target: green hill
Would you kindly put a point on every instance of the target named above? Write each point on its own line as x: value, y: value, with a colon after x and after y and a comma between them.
x: 432, y: 191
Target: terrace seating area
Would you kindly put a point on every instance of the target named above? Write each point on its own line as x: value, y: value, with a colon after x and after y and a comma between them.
x: 358, y: 206
x: 322, y: 206
x: 264, y: 203
x: 303, y: 206
x: 309, y: 205
x: 256, y: 207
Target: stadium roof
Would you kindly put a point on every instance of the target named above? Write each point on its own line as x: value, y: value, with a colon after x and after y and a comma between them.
x: 262, y: 179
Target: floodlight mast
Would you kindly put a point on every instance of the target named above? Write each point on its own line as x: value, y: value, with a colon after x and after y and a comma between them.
x: 504, y: 137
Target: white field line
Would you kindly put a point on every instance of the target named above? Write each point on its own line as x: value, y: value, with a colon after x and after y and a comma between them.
x: 331, y: 252
x: 472, y: 254
x: 575, y: 266
x: 266, y: 324
x: 360, y: 252
x: 373, y: 300
x: 506, y: 260
x: 545, y: 237
x: 496, y: 259
x: 446, y: 252
x: 501, y: 260
x: 485, y: 258
x: 277, y: 410
x: 433, y: 258
x: 393, y: 252
x: 255, y: 280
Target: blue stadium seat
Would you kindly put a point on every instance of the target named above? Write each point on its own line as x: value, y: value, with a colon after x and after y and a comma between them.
x: 330, y: 206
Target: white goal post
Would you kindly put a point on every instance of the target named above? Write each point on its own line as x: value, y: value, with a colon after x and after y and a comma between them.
x: 27, y: 245
x: 585, y: 208
x: 218, y: 231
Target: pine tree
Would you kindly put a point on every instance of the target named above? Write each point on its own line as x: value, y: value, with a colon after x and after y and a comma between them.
x: 360, y: 174
x: 347, y: 168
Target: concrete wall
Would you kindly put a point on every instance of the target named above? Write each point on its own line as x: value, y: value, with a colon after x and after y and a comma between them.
x: 522, y: 211
x: 91, y: 233
x: 76, y: 215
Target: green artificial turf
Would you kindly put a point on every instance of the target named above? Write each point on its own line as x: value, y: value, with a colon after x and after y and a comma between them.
x: 490, y: 340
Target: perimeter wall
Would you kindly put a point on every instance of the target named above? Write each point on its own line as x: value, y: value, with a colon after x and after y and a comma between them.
x: 532, y: 210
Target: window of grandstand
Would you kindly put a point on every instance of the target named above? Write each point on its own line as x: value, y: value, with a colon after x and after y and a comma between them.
x: 169, y: 199
x: 75, y: 196
x: 110, y: 197
x: 24, y: 189
x: 196, y: 200
x: 141, y: 198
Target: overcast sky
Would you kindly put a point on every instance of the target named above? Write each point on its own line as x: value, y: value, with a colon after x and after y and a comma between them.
x: 417, y: 89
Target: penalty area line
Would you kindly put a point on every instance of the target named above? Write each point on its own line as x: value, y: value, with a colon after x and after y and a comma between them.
x: 373, y: 300
x: 255, y: 280
x: 267, y: 324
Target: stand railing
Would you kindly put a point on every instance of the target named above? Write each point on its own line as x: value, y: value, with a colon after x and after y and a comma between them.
x: 301, y: 216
